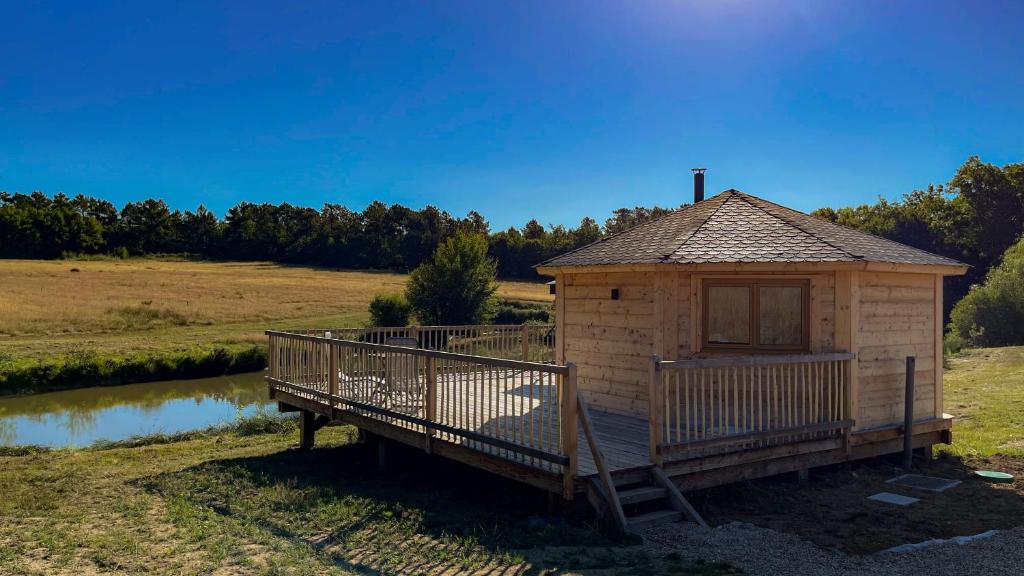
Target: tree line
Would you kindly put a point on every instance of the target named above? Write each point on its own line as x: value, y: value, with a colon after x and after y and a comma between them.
x: 378, y: 237
x: 974, y: 218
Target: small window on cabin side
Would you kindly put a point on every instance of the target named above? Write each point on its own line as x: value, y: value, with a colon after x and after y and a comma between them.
x: 756, y: 315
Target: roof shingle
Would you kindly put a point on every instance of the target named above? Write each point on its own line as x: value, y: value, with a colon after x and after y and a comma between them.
x: 734, y: 227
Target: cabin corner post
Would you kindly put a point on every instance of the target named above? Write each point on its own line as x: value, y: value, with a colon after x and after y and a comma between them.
x: 847, y: 337
x: 568, y: 429
x: 561, y: 281
x: 939, y: 347
x: 655, y: 398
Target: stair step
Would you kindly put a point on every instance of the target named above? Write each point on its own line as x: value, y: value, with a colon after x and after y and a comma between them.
x: 642, y: 494
x: 656, y: 517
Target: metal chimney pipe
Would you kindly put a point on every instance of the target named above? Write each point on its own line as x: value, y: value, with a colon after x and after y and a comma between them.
x: 698, y: 184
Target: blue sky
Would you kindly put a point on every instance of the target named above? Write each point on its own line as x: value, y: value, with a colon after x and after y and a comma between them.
x: 553, y: 110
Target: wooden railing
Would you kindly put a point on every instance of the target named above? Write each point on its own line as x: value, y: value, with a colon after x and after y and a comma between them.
x: 704, y: 406
x: 528, y: 342
x: 521, y: 411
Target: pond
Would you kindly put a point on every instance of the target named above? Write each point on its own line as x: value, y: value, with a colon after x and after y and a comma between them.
x: 82, y: 416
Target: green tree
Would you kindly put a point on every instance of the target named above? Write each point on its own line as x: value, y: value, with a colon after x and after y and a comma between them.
x: 992, y: 313
x: 457, y: 285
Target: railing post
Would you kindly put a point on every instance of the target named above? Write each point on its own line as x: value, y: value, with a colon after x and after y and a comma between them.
x: 654, y: 408
x: 272, y: 368
x: 568, y: 430
x: 526, y: 342
x: 332, y: 368
x: 430, y: 411
x: 414, y: 333
x: 908, y: 415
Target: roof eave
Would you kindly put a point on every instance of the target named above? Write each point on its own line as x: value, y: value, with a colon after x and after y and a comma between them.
x: 944, y: 269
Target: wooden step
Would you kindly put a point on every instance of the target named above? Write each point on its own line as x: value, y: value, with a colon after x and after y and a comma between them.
x: 656, y: 517
x: 641, y: 494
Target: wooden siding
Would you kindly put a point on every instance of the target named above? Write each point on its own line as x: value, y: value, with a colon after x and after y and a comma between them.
x: 611, y: 341
x: 896, y: 319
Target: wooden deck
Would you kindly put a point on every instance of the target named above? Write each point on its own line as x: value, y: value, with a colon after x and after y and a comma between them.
x: 482, y: 406
x: 713, y: 421
x: 623, y: 441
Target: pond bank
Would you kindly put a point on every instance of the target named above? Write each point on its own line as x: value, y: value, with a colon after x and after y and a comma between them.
x: 90, y: 368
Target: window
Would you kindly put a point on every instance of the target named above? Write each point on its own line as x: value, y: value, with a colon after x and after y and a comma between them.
x: 756, y: 315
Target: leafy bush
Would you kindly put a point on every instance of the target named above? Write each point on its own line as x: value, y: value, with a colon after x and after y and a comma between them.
x: 389, y: 310
x: 992, y: 313
x: 457, y: 285
x: 518, y: 312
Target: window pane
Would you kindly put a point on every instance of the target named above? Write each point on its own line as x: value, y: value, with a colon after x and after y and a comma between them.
x: 729, y: 315
x: 781, y: 322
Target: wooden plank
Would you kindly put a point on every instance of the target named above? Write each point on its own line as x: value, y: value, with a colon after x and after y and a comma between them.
x: 762, y: 360
x: 756, y: 436
x: 602, y: 468
x: 675, y: 497
x: 562, y: 281
x: 568, y: 428
x: 655, y: 399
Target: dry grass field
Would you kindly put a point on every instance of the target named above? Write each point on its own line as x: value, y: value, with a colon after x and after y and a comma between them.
x: 60, y: 308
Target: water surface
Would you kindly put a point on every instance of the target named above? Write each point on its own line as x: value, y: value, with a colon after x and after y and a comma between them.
x: 83, y: 416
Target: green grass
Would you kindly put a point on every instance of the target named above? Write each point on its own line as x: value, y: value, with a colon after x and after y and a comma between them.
x: 239, y: 500
x: 984, y: 390
x: 73, y: 323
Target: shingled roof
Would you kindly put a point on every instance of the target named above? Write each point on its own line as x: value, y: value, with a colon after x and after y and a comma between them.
x: 734, y: 227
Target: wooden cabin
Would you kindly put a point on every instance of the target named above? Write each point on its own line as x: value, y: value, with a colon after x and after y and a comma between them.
x: 731, y: 339
x: 736, y: 275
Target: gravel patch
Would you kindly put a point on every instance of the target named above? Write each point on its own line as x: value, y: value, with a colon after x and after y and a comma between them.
x: 763, y: 551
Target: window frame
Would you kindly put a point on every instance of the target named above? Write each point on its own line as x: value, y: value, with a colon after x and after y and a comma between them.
x: 754, y: 285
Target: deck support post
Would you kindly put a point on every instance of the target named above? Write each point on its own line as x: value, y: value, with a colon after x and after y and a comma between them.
x: 307, y: 429
x: 569, y: 430
x: 526, y: 342
x: 908, y: 415
x: 382, y: 452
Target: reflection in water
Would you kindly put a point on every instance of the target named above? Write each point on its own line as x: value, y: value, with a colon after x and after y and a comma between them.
x: 80, y: 417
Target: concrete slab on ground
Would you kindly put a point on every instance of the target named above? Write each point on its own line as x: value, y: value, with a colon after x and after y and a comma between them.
x: 896, y: 499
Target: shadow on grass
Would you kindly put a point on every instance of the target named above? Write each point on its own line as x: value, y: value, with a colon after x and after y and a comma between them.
x: 421, y: 515
x: 832, y: 509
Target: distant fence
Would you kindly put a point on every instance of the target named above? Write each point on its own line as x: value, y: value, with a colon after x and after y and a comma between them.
x: 527, y: 342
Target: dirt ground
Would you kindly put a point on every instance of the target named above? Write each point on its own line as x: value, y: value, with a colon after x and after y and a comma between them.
x: 832, y: 511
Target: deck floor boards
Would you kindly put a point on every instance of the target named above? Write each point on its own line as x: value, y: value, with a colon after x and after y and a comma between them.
x: 511, y: 405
